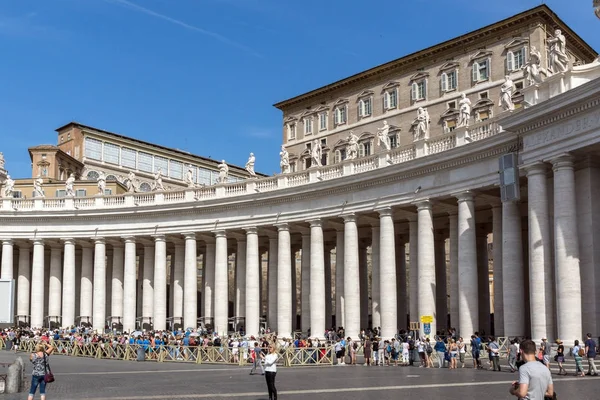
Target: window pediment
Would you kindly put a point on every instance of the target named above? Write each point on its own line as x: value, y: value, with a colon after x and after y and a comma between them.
x: 449, y: 65
x: 365, y: 93
x: 290, y: 120
x: 449, y: 113
x: 293, y: 156
x: 322, y: 108
x: 516, y: 42
x: 419, y: 75
x: 481, y: 54
x: 340, y: 102
x: 483, y: 103
x: 390, y: 85
x: 306, y: 114
x: 366, y: 136
x: 340, y: 143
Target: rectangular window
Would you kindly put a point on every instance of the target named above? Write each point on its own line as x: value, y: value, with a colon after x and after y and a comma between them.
x: 451, y: 104
x: 162, y: 163
x: 93, y: 148
x: 484, y: 115
x: 204, y: 176
x: 108, y: 192
x: 419, y: 90
x: 323, y: 121
x: 144, y: 162
x: 17, y: 194
x: 390, y: 99
x: 515, y: 60
x: 364, y: 149
x: 80, y: 193
x: 128, y: 157
x: 340, y: 115
x: 364, y: 108
x: 481, y: 70
x: 450, y: 125
x: 483, y: 95
x: 452, y: 80
x: 393, y: 141
x: 308, y: 125
x: 291, y: 131
x: 175, y: 169
x: 61, y: 193
x: 293, y: 167
x: 111, y: 153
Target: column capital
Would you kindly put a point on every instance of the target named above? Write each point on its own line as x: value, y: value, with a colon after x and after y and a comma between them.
x: 251, y: 230
x: 351, y: 217
x: 537, y: 168
x: 316, y: 222
x: 7, y: 241
x: 99, y: 240
x: 37, y: 242
x: 424, y: 204
x: 385, y: 211
x: 220, y: 233
x: 453, y: 214
x: 189, y: 235
x: 128, y: 239
x: 563, y: 161
x: 159, y: 238
x: 282, y: 227
x: 465, y: 196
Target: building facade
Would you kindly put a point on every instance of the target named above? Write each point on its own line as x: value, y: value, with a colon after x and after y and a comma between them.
x: 526, y: 179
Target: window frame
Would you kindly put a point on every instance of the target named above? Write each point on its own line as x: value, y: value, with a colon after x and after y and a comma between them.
x: 445, y: 81
x: 387, y: 99
x: 419, y: 90
x: 291, y: 128
x: 339, y: 112
x: 477, y: 68
x: 511, y: 60
x: 365, y: 107
x: 323, y: 121
x: 308, y: 125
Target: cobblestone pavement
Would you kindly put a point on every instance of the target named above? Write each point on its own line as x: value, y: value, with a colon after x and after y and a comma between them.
x: 81, y: 378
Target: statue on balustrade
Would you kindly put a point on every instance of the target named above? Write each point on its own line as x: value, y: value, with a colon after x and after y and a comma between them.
x: 316, y: 154
x: 557, y: 52
x: 70, y: 186
x: 383, y: 136
x: 2, y: 162
x: 422, y: 124
x: 38, y: 191
x: 101, y: 183
x: 250, y: 164
x: 189, y: 177
x: 158, y: 183
x: 223, y: 172
x: 284, y: 160
x: 506, y: 91
x: 131, y: 182
x: 532, y: 67
x: 464, y: 106
x: 9, y: 186
x: 352, y: 147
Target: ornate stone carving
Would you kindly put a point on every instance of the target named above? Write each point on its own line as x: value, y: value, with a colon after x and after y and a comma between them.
x: 2, y: 161
x: 223, y: 172
x: 464, y: 106
x: 284, y: 160
x: 189, y: 177
x: 352, y: 146
x: 250, y: 164
x: 422, y: 124
x: 131, y: 182
x: 102, y: 183
x: 9, y: 187
x: 383, y: 136
x: 158, y: 183
x: 557, y: 53
x: 316, y: 153
x: 69, y: 186
x: 506, y: 91
x: 532, y: 68
x: 38, y: 191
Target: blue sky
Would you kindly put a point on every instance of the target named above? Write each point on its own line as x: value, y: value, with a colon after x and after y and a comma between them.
x: 202, y: 75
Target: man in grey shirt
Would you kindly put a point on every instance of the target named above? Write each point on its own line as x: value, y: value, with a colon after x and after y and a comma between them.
x: 535, y: 380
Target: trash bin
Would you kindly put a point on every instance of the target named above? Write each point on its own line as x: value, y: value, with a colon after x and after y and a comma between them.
x: 141, y: 355
x: 8, y: 345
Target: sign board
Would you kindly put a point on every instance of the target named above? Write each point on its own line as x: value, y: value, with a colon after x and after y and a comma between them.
x: 426, y: 319
x: 414, y: 326
x: 427, y: 328
x: 7, y: 301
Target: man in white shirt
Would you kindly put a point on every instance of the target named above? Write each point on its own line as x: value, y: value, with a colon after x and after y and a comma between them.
x: 535, y: 380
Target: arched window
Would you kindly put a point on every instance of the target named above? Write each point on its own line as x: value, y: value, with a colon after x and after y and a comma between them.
x: 92, y: 176
x: 111, y: 178
x: 145, y: 187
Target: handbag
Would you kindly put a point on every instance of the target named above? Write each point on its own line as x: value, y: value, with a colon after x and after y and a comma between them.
x: 48, y: 376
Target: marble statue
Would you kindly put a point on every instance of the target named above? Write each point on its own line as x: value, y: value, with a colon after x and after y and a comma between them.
x: 423, y: 121
x: 2, y: 162
x: 38, y: 191
x: 532, y: 68
x: 557, y: 52
x: 284, y: 160
x: 158, y: 183
x: 382, y: 136
x: 9, y: 186
x: 352, y: 147
x: 316, y: 153
x: 69, y: 186
x: 131, y: 182
x: 250, y: 164
x: 189, y: 177
x: 464, y: 106
x: 223, y: 172
x: 102, y: 183
x: 506, y: 91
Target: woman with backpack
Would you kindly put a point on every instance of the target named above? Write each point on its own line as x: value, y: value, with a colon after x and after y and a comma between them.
x: 578, y: 353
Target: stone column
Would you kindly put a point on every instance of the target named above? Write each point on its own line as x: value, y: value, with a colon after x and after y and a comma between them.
x: 454, y: 320
x: 401, y: 286
x: 387, y: 274
x: 221, y: 283
x: 284, y: 282
x: 317, y: 279
x: 305, y: 283
x: 240, y: 279
x: 483, y: 279
x: 426, y: 265
x: 55, y: 284
x: 351, y: 278
x: 108, y: 293
x: 328, y: 299
x: 23, y: 282
x: 512, y: 270
x: 413, y: 270
x: 498, y: 279
x: 129, y: 285
x: 375, y: 281
x: 339, y: 279
x: 190, y: 282
x: 148, y: 285
x: 468, y: 307
x: 294, y: 291
x: 209, y: 281
x: 68, y: 284
x: 252, y: 300
x: 87, y: 284
x: 177, y: 287
x: 37, y: 285
x: 540, y: 262
x: 99, y: 301
x: 6, y: 270
x: 363, y: 282
x: 116, y: 300
x: 160, y: 283
x: 441, y: 292
x: 566, y: 251
x: 272, y: 291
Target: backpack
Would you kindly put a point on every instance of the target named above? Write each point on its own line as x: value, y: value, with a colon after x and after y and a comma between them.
x: 355, y: 345
x: 411, y: 345
x: 428, y: 348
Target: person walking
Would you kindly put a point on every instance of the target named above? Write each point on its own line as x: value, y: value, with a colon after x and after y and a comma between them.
x: 271, y: 370
x: 560, y: 357
x: 535, y: 380
x: 39, y: 359
x: 546, y: 350
x: 494, y: 353
x: 512, y: 355
x: 590, y: 351
x: 256, y: 356
x: 578, y: 353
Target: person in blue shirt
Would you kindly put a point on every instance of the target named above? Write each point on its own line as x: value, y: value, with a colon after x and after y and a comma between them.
x: 440, y: 349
